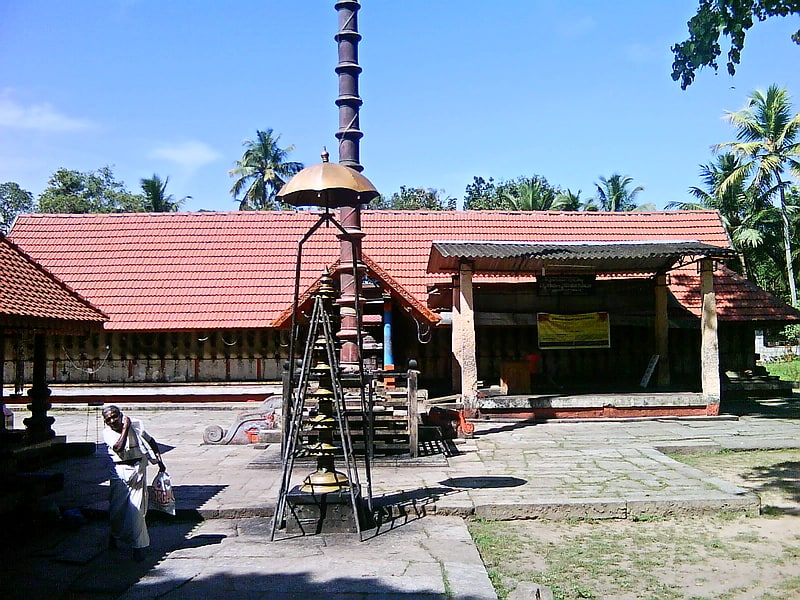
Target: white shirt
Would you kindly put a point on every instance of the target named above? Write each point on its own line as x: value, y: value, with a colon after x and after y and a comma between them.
x: 136, y: 446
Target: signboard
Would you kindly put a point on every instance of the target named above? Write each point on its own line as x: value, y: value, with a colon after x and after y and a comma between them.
x: 586, y: 330
x: 566, y: 285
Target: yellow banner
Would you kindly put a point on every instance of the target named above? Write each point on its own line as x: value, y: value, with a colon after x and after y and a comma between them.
x: 586, y: 330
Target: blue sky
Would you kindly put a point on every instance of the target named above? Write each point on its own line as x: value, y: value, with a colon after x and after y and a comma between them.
x: 568, y: 90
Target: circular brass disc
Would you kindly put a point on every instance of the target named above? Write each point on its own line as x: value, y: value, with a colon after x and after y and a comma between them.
x: 324, y: 482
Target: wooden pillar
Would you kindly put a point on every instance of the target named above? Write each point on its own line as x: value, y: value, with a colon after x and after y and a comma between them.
x: 465, y: 350
x: 38, y: 425
x: 709, y: 343
x: 413, y: 410
x: 662, y: 331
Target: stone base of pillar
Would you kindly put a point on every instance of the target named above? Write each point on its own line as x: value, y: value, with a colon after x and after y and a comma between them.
x: 712, y: 405
x: 325, y: 513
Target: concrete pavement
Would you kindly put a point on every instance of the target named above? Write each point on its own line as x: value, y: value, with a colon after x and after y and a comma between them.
x: 552, y: 470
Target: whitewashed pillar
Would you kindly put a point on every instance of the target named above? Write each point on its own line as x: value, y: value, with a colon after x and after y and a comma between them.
x: 466, y: 352
x: 455, y: 335
x: 709, y: 342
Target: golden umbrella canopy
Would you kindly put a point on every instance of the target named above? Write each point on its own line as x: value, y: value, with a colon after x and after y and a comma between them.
x: 329, y: 185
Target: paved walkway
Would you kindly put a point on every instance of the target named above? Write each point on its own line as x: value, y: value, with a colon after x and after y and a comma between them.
x: 508, y: 470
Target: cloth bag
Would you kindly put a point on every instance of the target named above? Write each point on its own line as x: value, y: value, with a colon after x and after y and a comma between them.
x: 162, y: 496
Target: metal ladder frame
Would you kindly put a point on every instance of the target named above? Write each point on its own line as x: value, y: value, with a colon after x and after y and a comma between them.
x: 293, y: 421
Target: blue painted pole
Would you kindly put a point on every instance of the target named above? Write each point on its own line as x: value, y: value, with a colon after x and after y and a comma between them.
x: 388, y: 356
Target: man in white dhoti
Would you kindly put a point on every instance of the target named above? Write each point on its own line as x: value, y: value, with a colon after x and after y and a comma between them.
x: 130, y: 448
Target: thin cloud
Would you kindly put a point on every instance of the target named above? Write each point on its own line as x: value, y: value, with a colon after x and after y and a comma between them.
x: 191, y: 154
x: 41, y: 117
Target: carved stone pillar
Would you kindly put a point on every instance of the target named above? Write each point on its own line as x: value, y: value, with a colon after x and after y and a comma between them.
x: 38, y: 427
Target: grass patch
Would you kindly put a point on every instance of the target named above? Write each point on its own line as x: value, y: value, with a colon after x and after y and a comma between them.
x: 593, y: 560
x: 787, y: 370
x: 662, y: 558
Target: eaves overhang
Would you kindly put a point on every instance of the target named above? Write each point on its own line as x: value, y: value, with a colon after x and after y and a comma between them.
x: 604, y: 258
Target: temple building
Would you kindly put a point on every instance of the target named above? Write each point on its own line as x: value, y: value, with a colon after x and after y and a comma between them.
x: 489, y: 303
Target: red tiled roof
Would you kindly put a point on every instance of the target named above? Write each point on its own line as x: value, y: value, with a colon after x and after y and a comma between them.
x: 179, y: 271
x: 737, y: 299
x: 205, y: 270
x: 30, y: 297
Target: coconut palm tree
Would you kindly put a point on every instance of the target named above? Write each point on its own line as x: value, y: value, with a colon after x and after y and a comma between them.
x: 745, y: 213
x: 766, y: 132
x: 262, y: 171
x: 569, y: 200
x: 614, y: 194
x: 530, y: 193
x: 156, y: 198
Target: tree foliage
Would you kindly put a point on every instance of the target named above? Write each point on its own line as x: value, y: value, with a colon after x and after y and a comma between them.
x: 520, y: 194
x: 615, y: 194
x: 746, y: 213
x: 262, y: 172
x: 731, y: 18
x: 13, y: 201
x: 531, y: 193
x: 481, y: 194
x: 409, y: 198
x: 767, y: 133
x: 156, y: 198
x: 569, y: 200
x: 70, y: 191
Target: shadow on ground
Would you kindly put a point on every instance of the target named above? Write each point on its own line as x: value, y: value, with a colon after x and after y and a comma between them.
x: 279, y: 586
x: 57, y: 547
x: 775, y: 408
x: 63, y: 558
x: 783, y: 478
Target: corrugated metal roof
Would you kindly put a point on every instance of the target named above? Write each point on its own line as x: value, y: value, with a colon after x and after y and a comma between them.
x: 498, y: 257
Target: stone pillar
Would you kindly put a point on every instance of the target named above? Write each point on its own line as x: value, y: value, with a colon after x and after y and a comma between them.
x: 709, y: 344
x: 467, y: 352
x: 455, y: 336
x: 662, y: 331
x: 38, y: 427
